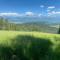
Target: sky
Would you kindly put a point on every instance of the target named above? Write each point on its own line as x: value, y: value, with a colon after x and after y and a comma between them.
x: 32, y: 8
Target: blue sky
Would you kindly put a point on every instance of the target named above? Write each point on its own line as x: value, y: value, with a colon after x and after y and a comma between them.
x: 30, y: 8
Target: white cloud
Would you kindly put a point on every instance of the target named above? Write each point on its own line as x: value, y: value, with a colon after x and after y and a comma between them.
x: 51, y: 7
x: 39, y: 15
x: 48, y: 10
x: 9, y: 14
x: 29, y: 13
x: 18, y: 14
x: 42, y: 6
x: 54, y: 13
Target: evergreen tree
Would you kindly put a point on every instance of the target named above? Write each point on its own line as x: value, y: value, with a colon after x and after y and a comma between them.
x: 59, y: 30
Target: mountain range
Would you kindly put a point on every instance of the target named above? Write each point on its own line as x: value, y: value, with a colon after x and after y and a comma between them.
x: 32, y: 19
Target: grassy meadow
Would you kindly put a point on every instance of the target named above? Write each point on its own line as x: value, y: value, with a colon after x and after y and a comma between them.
x: 15, y: 45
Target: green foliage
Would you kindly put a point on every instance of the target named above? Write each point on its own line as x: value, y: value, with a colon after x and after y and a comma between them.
x: 59, y: 31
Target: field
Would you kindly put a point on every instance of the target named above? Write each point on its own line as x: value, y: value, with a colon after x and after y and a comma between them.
x: 21, y: 45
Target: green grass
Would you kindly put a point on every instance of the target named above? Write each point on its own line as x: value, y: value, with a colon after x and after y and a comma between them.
x: 7, y: 36
x: 22, y: 45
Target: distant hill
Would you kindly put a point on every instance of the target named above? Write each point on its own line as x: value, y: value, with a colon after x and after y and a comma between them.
x: 41, y: 26
x: 32, y: 19
x: 37, y: 26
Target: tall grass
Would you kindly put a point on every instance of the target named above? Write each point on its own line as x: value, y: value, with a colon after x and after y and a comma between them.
x: 29, y: 46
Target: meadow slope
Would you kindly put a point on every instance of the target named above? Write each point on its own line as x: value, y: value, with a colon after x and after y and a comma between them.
x: 15, y: 45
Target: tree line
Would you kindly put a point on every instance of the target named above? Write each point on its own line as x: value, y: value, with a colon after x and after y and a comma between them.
x: 5, y: 24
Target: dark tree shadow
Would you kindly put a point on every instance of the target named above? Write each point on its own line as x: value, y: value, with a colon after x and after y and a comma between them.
x: 31, y: 48
x: 5, y: 53
x: 27, y: 48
